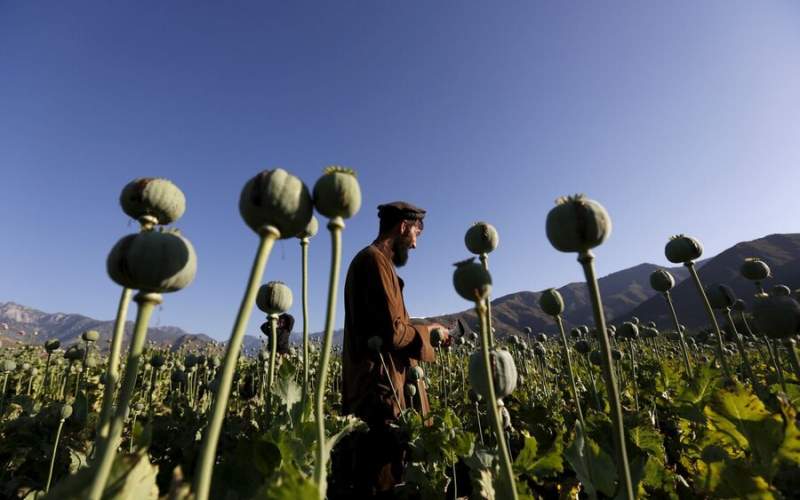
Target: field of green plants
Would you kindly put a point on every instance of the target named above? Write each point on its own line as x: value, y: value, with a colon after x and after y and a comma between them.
x: 600, y: 411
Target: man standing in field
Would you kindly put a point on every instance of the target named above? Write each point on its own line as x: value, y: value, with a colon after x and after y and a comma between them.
x: 374, y: 307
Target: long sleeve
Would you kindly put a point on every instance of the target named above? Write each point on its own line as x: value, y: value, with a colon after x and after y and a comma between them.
x: 388, y: 315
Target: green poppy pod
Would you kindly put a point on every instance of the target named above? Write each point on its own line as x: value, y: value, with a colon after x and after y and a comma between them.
x: 474, y: 396
x: 583, y: 347
x: 755, y: 269
x: 276, y: 198
x: 416, y: 373
x: 681, y: 249
x: 539, y: 349
x: 310, y: 230
x: 274, y: 297
x: 375, y: 343
x: 577, y: 224
x: 153, y: 197
x: 584, y: 329
x: 649, y: 332
x: 157, y: 360
x: 65, y: 412
x: 153, y: 261
x: 51, y: 345
x: 776, y: 316
x: 9, y: 365
x: 596, y: 358
x: 541, y: 337
x: 471, y: 280
x: 720, y: 296
x: 504, y: 373
x: 576, y: 333
x: 628, y: 330
x: 481, y: 238
x: 90, y: 336
x: 74, y: 353
x: 436, y: 337
x: 617, y: 355
x: 513, y: 340
x: 411, y: 390
x: 551, y: 302
x: 337, y: 193
x: 263, y: 355
x: 528, y: 330
x: 661, y: 280
x: 780, y: 291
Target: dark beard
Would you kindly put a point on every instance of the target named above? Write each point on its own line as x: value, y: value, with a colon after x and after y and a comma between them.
x: 400, y: 253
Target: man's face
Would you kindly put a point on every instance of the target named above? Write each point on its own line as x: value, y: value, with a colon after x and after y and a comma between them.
x: 406, y: 240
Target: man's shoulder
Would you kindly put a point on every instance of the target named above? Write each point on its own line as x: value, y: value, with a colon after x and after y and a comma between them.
x: 369, y: 254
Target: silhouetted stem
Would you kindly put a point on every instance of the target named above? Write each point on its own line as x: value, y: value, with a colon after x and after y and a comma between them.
x: 623, y: 470
x: 335, y: 226
x: 304, y: 252
x: 568, y: 361
x: 204, y: 471
x: 711, y: 317
x: 273, y: 351
x: 485, y: 261
x: 53, y: 456
x: 684, y: 349
x: 112, y: 370
x: 794, y: 360
x: 491, y: 402
x: 108, y: 448
x: 748, y: 368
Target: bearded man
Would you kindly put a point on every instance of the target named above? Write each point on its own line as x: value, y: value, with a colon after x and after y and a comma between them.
x: 374, y: 307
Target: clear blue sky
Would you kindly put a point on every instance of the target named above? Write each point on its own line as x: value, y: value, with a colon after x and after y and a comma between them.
x: 677, y: 116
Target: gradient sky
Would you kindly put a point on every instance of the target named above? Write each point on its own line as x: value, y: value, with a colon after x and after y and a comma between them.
x: 680, y: 117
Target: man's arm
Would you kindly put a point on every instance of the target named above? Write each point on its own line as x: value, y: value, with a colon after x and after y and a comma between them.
x: 388, y: 315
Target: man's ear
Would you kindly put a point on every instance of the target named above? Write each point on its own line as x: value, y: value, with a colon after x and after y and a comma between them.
x: 403, y: 227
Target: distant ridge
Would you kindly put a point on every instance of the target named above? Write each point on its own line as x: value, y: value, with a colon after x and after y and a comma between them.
x: 625, y: 293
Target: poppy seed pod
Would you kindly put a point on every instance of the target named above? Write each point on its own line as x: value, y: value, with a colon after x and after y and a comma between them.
x: 153, y: 261
x: 583, y: 347
x: 310, y: 230
x: 411, y: 390
x: 504, y: 373
x: 274, y: 297
x: 681, y: 249
x: 481, y: 238
x: 337, y: 193
x: 755, y: 269
x: 154, y: 197
x: 436, y: 337
x: 720, y: 296
x: 416, y: 373
x: 51, y: 345
x: 551, y: 302
x: 66, y: 411
x: 577, y: 224
x: 375, y: 343
x: 542, y: 337
x: 661, y: 280
x: 628, y: 331
x: 596, y: 358
x: 157, y: 360
x: 739, y: 305
x: 776, y: 316
x: 780, y: 291
x: 528, y: 330
x: 276, y: 198
x: 90, y: 336
x: 617, y: 355
x: 471, y: 280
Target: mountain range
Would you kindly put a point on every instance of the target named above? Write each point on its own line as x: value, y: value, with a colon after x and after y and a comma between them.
x: 625, y: 294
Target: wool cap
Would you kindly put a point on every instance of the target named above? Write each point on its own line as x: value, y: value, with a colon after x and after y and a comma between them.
x: 400, y: 210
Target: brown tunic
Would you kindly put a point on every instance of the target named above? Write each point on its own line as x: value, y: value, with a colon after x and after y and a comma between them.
x: 374, y: 305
